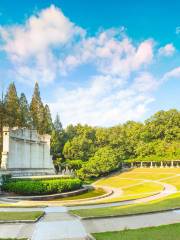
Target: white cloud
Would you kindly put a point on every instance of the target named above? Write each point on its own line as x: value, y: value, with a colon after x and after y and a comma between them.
x: 178, y: 30
x: 167, y: 50
x: 48, y: 28
x: 30, y: 46
x: 106, y: 101
x: 49, y: 45
x: 174, y: 73
x: 145, y: 82
x: 111, y: 52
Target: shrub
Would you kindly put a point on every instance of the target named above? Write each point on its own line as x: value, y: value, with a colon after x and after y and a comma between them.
x: 104, y: 161
x: 41, y: 187
x: 6, y: 177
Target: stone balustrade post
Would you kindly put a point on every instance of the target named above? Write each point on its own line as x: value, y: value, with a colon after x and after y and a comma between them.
x: 172, y: 164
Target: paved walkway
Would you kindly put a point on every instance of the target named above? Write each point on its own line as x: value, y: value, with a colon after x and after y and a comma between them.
x: 131, y: 222
x: 59, y: 224
x: 16, y: 230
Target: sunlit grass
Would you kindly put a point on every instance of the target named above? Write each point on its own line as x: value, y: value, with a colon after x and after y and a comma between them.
x: 116, y: 182
x: 165, y: 232
x: 175, y: 181
x: 172, y: 201
x: 89, y: 194
x: 10, y: 216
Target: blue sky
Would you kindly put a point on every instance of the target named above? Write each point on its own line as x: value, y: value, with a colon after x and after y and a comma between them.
x: 97, y: 62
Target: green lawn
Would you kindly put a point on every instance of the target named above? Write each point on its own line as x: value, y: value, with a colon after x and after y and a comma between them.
x: 10, y: 216
x: 175, y: 181
x: 139, y: 190
x: 139, y: 182
x: 169, y: 202
x: 165, y: 232
x: 89, y: 194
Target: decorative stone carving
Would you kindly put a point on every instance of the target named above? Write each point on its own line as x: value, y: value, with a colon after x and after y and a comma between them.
x: 25, y: 152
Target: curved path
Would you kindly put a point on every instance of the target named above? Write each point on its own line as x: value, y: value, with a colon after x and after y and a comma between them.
x: 168, y: 189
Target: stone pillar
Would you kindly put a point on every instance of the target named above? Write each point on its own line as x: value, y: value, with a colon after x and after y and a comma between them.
x: 4, y: 160
x: 141, y: 164
x: 172, y: 164
x: 151, y: 165
x: 5, y: 152
x: 131, y: 164
x: 161, y: 165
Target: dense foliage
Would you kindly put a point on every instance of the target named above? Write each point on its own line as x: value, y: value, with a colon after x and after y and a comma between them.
x: 95, y: 151
x: 41, y: 187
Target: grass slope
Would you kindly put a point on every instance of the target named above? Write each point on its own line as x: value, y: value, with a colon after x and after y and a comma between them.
x: 89, y: 194
x: 165, y: 232
x: 10, y: 216
x: 140, y: 182
x: 169, y: 202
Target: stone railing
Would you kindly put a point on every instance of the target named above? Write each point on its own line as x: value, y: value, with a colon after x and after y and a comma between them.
x: 152, y: 164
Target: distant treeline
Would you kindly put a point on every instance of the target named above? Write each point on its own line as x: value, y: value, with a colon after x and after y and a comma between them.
x: 95, y: 151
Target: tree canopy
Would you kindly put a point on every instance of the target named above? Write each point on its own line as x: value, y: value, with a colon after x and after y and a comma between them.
x: 94, y: 151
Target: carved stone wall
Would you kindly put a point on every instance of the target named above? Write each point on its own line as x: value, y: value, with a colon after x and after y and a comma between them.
x: 26, y: 151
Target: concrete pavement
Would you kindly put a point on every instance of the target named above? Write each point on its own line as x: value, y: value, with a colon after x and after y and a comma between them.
x: 58, y: 224
x: 131, y: 222
x: 16, y: 230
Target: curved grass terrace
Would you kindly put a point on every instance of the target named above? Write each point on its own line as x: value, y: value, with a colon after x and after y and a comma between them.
x: 137, y: 184
x: 165, y: 232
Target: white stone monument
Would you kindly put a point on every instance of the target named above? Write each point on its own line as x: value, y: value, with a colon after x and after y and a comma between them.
x: 26, y: 153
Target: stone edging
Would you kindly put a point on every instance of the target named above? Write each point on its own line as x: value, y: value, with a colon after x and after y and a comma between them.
x: 51, y: 196
x: 126, y: 215
x: 107, y: 194
x: 23, y: 221
x: 90, y: 237
x: 121, y: 201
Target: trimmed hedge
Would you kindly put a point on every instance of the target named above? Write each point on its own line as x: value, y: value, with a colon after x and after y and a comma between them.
x: 39, y: 178
x: 41, y: 187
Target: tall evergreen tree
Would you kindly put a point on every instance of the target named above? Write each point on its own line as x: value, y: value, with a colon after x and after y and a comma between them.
x: 57, y: 124
x: 37, y: 109
x: 57, y: 139
x: 12, y: 109
x: 25, y: 115
x: 47, y: 124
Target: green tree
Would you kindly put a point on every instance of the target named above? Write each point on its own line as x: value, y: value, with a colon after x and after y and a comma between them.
x: 37, y: 110
x: 79, y: 147
x: 163, y: 125
x: 57, y: 124
x: 12, y: 109
x: 103, y: 162
x: 74, y: 165
x: 57, y: 143
x: 25, y: 115
x: 47, y: 124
